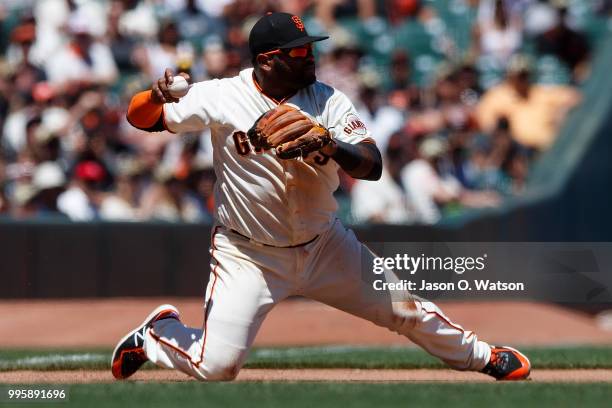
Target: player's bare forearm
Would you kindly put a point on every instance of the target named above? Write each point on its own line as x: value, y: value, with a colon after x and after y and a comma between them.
x: 360, y: 161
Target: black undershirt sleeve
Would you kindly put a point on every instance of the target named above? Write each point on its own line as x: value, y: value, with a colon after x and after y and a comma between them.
x: 361, y: 161
x: 157, y: 127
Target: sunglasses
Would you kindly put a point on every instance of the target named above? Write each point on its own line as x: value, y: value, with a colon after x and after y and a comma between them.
x: 296, y: 52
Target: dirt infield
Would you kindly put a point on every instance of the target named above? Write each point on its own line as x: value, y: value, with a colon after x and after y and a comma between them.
x: 334, y: 375
x: 101, y: 322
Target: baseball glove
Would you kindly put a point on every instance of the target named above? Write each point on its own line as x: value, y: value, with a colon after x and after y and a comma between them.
x: 287, y: 130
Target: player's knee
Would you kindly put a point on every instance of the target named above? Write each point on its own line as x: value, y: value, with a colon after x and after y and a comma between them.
x: 404, y: 316
x: 220, y: 371
x: 228, y: 373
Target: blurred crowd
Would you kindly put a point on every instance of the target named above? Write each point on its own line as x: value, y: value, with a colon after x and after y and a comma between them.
x: 460, y: 95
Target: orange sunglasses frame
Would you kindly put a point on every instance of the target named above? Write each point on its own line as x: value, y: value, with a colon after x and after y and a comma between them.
x: 297, y: 52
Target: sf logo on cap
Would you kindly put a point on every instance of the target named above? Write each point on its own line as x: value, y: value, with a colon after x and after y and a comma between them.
x: 298, y: 22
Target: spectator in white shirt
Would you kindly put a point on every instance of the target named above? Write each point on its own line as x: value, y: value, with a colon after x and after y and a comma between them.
x: 384, y: 201
x: 429, y: 187
x: 84, y: 61
x: 81, y: 202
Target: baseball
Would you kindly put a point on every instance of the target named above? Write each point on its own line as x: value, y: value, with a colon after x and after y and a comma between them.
x: 179, y: 87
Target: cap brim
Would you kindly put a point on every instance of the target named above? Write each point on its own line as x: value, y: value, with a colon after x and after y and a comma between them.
x: 303, y: 41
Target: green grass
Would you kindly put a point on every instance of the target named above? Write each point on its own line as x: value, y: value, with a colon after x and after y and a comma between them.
x: 321, y: 395
x: 311, y: 357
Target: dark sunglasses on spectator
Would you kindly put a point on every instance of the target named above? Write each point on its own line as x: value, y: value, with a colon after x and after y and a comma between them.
x: 296, y: 52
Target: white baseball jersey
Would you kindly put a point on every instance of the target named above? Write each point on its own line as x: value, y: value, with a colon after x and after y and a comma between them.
x: 273, y: 201
x: 284, y: 203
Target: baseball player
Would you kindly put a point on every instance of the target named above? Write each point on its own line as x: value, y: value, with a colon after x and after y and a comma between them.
x: 279, y: 138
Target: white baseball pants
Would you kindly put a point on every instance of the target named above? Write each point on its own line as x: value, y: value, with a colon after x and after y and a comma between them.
x: 248, y: 279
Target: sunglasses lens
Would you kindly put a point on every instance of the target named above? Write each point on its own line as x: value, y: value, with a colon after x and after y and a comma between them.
x: 300, y: 52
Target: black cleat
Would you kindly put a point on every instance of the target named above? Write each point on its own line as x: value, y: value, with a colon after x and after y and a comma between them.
x: 129, y: 355
x: 507, y: 364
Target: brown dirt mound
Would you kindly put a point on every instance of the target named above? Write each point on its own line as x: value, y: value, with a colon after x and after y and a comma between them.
x: 338, y: 375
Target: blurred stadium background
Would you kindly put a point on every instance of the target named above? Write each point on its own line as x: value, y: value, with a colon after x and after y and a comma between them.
x: 492, y: 115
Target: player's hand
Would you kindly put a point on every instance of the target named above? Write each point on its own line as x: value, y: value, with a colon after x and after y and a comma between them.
x: 160, y: 93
